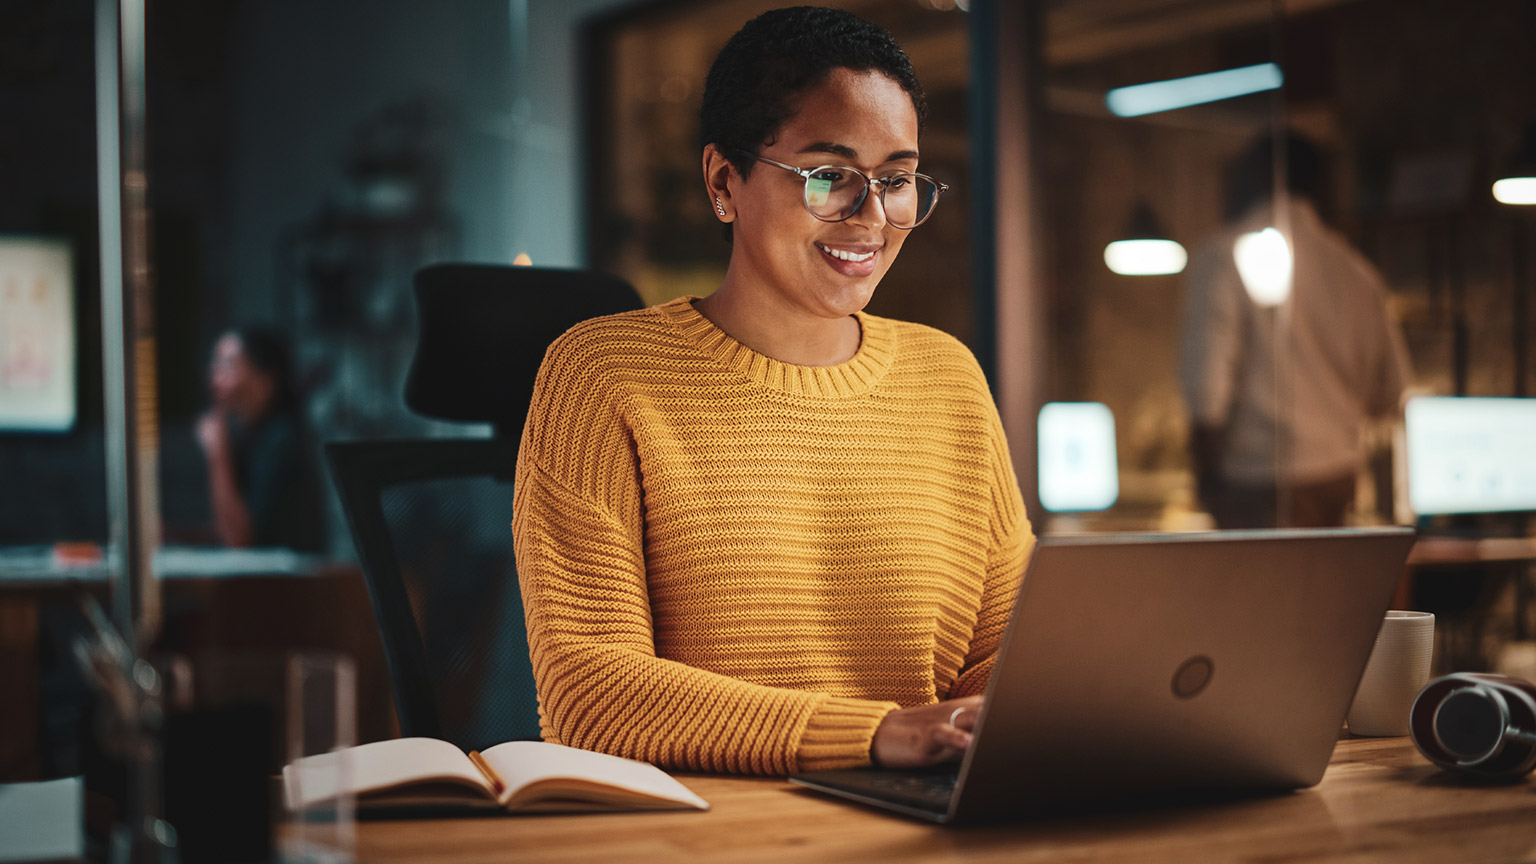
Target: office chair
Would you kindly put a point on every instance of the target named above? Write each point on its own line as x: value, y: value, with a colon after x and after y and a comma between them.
x: 431, y: 517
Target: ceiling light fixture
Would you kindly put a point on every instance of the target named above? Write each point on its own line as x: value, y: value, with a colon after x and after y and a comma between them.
x: 1157, y: 96
x: 1517, y: 182
x: 1145, y: 249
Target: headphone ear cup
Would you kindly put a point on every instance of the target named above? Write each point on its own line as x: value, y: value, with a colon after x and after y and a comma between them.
x: 1476, y: 724
x: 1469, y: 723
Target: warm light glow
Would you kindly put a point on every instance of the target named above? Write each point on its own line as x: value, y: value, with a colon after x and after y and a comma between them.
x: 1264, y: 264
x: 1156, y: 96
x: 1145, y: 257
x: 522, y: 260
x: 1515, y: 190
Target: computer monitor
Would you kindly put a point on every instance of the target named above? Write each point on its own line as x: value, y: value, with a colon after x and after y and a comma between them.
x: 1078, y: 468
x: 1471, y: 454
x: 37, y: 334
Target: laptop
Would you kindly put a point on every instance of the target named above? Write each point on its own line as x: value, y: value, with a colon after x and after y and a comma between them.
x: 1161, y: 663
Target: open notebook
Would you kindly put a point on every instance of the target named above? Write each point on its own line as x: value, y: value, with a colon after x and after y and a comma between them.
x: 518, y: 776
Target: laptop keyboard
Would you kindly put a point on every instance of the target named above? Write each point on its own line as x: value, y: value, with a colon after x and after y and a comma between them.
x: 926, y: 790
x: 933, y: 790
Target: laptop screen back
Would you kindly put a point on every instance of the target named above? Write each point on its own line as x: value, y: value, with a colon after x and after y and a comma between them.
x: 1223, y: 660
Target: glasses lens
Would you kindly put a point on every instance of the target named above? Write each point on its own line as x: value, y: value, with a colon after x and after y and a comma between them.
x: 908, y: 199
x: 834, y: 194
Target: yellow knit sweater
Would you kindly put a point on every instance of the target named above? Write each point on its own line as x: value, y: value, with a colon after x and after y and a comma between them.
x: 732, y: 564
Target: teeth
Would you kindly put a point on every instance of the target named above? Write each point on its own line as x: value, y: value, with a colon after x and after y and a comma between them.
x: 846, y: 256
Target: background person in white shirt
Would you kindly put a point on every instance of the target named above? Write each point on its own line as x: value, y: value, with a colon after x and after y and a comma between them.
x: 1281, y: 383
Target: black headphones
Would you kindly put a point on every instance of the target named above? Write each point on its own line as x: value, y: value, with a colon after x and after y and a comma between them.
x: 1477, y: 724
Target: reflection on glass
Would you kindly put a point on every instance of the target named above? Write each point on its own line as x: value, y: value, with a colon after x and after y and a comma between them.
x: 1264, y: 263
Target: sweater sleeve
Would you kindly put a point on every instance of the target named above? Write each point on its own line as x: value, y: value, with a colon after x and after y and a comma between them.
x: 578, y: 535
x: 1011, y: 544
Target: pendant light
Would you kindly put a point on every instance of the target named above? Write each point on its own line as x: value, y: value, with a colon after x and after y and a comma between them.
x: 1517, y: 182
x: 1145, y: 249
x: 1264, y: 265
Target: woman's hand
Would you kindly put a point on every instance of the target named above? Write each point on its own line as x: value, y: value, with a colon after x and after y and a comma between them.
x: 213, y: 434
x: 231, y: 516
x: 925, y: 735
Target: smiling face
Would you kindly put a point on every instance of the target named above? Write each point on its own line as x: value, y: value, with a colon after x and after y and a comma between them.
x: 826, y: 269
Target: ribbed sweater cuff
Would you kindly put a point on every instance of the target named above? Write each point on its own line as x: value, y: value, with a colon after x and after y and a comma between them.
x: 839, y: 734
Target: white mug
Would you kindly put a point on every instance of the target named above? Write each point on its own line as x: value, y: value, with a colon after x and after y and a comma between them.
x: 1398, y: 669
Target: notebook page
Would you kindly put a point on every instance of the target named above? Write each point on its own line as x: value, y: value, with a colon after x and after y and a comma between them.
x: 520, y: 763
x: 377, y: 766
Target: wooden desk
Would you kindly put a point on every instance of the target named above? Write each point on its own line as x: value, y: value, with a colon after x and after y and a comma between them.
x: 1380, y: 801
x: 216, y: 601
x: 1437, y: 551
x: 1507, y: 558
x: 36, y: 568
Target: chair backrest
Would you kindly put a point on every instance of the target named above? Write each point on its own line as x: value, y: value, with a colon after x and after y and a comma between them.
x: 430, y: 518
x: 483, y: 330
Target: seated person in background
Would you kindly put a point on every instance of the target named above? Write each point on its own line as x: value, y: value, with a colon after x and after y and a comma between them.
x: 764, y: 531
x: 262, y: 485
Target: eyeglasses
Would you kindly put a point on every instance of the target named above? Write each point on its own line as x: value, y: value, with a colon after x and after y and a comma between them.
x: 834, y: 193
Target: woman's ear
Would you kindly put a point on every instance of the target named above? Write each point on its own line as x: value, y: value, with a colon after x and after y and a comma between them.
x: 717, y: 180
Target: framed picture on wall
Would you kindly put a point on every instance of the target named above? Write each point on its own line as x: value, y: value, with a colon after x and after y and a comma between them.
x: 37, y: 334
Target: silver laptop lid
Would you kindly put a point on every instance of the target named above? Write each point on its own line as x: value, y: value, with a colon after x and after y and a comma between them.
x: 1223, y: 660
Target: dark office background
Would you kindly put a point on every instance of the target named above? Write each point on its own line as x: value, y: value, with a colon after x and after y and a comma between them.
x: 304, y: 158
x: 307, y: 155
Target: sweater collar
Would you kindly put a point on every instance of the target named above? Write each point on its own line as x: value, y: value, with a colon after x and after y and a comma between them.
x: 853, y: 377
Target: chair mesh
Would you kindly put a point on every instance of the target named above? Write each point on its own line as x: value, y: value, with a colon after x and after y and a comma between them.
x: 453, y: 541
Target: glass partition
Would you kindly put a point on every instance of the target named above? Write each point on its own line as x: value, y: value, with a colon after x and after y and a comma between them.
x: 1323, y: 171
x: 303, y: 161
x: 1135, y: 135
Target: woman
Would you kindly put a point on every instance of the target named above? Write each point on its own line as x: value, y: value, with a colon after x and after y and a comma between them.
x: 262, y: 486
x: 764, y: 532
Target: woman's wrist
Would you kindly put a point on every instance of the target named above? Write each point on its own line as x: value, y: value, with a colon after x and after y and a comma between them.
x: 840, y: 733
x: 925, y: 734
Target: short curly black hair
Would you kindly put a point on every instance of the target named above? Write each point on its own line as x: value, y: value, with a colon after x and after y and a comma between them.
x: 756, y: 81
x: 266, y: 347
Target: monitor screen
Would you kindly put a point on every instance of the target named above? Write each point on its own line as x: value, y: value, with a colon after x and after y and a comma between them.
x: 1078, y: 468
x: 1470, y: 454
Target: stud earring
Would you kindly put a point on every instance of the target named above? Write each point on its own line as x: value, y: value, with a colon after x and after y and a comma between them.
x: 719, y: 207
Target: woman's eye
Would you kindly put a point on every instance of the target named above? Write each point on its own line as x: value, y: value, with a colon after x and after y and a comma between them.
x: 829, y: 175
x: 898, y: 183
